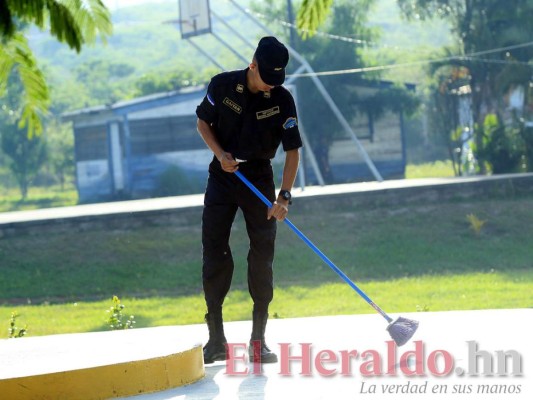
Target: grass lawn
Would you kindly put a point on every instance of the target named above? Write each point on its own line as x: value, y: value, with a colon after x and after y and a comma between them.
x: 38, y: 197
x: 425, y: 293
x: 437, y: 169
x: 420, y: 257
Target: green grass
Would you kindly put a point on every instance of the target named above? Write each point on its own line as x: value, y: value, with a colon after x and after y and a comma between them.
x: 432, y: 293
x: 437, y: 169
x: 424, y: 256
x: 38, y: 197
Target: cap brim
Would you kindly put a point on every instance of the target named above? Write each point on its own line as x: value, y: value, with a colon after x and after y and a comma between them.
x: 272, y: 78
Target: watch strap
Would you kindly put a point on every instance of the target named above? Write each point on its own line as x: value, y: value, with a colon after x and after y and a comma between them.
x: 285, y: 194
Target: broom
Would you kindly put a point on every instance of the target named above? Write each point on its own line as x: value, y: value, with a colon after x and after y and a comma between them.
x: 400, y: 330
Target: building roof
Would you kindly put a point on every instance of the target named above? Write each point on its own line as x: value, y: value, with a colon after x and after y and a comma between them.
x: 139, y: 103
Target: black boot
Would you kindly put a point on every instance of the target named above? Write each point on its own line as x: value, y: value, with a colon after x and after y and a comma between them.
x: 258, y: 350
x: 215, y: 349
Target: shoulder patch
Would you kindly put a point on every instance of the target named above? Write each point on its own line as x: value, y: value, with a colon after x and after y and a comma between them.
x: 290, y: 122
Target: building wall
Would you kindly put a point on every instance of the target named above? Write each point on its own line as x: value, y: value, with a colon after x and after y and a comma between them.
x: 146, y: 148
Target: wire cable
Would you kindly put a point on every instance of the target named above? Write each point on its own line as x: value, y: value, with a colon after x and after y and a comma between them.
x: 413, y: 63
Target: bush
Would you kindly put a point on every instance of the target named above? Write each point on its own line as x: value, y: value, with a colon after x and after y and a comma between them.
x: 174, y: 182
x: 503, y: 147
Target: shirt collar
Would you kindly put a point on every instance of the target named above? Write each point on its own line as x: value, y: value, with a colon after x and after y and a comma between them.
x: 242, y: 86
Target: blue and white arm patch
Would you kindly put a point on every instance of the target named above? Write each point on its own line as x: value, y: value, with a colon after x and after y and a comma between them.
x: 290, y: 122
x: 210, y: 99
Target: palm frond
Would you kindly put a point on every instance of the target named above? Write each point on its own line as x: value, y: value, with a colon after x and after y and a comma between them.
x: 73, y: 22
x: 93, y: 18
x: 16, y: 56
x: 7, y: 27
x: 312, y: 14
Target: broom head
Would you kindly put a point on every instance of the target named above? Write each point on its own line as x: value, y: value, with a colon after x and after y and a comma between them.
x: 402, y: 330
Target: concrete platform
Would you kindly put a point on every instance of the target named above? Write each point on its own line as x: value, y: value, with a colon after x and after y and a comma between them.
x: 452, y: 355
x: 489, y: 331
x: 98, y: 365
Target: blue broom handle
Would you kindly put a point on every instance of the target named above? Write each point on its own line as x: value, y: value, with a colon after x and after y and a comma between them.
x: 316, y: 249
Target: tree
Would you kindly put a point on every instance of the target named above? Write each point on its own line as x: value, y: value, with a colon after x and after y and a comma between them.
x: 60, y: 145
x: 26, y: 154
x: 104, y: 80
x: 164, y: 80
x: 74, y: 22
x: 499, y: 32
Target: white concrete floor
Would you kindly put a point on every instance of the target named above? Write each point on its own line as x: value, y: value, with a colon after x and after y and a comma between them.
x: 487, y: 332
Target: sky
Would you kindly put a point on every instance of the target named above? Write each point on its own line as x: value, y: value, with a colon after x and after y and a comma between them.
x: 114, y: 4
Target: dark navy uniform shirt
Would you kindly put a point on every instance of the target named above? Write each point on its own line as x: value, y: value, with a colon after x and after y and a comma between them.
x: 249, y: 125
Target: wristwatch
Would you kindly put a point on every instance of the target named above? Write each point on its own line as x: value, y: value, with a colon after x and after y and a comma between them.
x: 285, y: 195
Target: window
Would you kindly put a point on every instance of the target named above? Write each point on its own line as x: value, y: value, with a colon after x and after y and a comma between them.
x: 91, y: 143
x: 161, y: 135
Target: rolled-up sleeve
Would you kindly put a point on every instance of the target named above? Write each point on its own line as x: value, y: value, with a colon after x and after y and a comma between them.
x: 290, y: 137
x: 207, y: 110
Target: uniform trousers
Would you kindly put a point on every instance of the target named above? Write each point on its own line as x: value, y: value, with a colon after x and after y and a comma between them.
x: 225, y: 194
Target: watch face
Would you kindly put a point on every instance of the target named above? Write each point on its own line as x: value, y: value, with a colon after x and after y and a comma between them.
x: 286, y: 195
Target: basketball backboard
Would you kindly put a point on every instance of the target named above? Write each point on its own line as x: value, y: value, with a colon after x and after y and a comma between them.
x: 194, y: 17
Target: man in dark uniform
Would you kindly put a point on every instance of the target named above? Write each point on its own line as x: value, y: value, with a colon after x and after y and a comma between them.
x: 243, y: 118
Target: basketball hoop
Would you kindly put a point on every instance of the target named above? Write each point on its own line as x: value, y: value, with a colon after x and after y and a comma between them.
x: 195, y: 18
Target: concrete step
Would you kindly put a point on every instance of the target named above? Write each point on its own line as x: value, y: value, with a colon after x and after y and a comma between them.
x: 98, y: 365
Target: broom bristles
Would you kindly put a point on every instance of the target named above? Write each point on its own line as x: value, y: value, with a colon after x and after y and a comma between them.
x: 402, y: 330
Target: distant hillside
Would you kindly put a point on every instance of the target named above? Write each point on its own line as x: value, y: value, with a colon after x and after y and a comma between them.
x: 145, y: 42
x: 142, y: 38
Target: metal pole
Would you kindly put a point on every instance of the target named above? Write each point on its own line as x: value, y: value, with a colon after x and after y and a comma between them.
x: 206, y: 54
x: 230, y: 48
x: 343, y: 122
x: 290, y: 15
x: 233, y: 30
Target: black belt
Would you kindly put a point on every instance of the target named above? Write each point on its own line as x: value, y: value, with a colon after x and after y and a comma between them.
x: 255, y: 162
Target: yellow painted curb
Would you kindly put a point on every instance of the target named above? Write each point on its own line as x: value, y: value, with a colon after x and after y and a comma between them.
x: 108, y: 381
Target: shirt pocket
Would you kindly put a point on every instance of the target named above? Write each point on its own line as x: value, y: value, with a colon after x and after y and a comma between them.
x: 269, y: 135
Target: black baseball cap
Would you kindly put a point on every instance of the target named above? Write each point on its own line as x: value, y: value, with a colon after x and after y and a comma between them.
x: 272, y: 57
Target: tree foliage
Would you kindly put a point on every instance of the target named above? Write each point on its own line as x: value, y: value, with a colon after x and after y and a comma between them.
x: 74, y: 22
x: 15, y: 54
x: 312, y: 14
x: 26, y: 154
x: 60, y: 151
x: 494, y: 40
